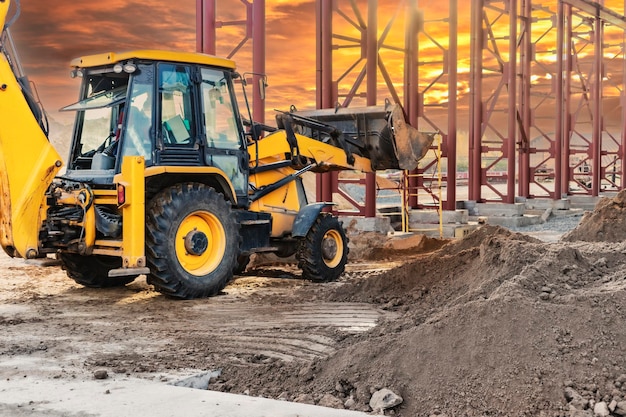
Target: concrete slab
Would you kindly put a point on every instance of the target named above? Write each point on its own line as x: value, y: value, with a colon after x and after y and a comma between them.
x: 378, y: 224
x: 432, y: 216
x: 545, y: 203
x: 585, y: 202
x: 500, y: 209
x: 515, y: 221
x: 447, y: 230
x: 136, y: 397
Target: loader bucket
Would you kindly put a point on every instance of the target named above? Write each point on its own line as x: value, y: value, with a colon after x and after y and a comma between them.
x: 410, y: 144
x: 379, y: 133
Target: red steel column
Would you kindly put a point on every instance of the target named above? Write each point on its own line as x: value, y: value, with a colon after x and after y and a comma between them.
x: 258, y: 58
x: 324, y: 191
x: 525, y: 104
x: 371, y: 71
x: 559, y: 167
x: 596, y: 144
x: 205, y: 26
x: 452, y: 103
x: 411, y: 85
x: 411, y: 92
x: 512, y: 102
x: 622, y: 151
x: 475, y: 129
x: 567, y: 99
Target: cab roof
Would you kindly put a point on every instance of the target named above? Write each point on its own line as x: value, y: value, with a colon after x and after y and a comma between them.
x: 109, y: 58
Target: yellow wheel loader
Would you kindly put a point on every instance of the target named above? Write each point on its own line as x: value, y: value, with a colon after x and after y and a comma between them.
x: 165, y: 176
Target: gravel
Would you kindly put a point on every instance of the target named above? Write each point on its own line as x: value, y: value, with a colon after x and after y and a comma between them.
x: 558, y: 224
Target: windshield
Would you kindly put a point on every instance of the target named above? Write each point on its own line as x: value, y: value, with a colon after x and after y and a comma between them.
x: 98, y: 119
x: 100, y: 100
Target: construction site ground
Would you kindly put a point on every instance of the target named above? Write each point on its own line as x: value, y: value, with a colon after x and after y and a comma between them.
x: 496, y: 324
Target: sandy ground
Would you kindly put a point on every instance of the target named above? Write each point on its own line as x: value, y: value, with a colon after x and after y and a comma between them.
x: 497, y: 324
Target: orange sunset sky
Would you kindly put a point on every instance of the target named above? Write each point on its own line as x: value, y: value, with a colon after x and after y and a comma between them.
x: 49, y: 34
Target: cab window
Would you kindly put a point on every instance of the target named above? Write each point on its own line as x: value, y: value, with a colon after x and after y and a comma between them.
x: 175, y: 92
x: 219, y: 116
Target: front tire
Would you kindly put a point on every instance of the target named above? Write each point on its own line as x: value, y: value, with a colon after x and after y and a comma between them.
x: 323, y: 253
x: 192, y: 240
x: 93, y: 271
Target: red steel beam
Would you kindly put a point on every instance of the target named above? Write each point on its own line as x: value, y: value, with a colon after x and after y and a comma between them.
x: 476, y: 103
x: 561, y: 164
x: 324, y: 81
x: 372, y: 86
x: 598, y: 10
x: 622, y: 169
x: 450, y: 144
x: 596, y: 86
x: 524, y: 121
x: 510, y: 142
x: 258, y: 58
x: 205, y: 26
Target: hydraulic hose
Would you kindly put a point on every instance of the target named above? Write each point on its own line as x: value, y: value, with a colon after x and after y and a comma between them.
x: 16, y: 15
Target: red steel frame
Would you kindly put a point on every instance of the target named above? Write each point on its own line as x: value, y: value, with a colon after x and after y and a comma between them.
x: 536, y: 125
x: 254, y: 23
x: 367, y: 68
x: 578, y: 150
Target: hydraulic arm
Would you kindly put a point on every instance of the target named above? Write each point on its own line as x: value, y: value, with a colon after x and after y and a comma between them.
x: 28, y: 162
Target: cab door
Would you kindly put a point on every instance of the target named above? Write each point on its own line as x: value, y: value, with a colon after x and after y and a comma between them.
x: 179, y: 139
x: 223, y: 132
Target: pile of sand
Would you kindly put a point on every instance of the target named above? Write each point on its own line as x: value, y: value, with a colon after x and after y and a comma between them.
x: 606, y: 223
x: 495, y: 324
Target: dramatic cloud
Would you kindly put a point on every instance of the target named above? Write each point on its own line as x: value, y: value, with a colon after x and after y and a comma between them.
x: 50, y: 34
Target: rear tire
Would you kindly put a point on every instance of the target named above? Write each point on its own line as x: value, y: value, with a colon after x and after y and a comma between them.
x: 192, y: 241
x: 323, y: 252
x: 93, y: 271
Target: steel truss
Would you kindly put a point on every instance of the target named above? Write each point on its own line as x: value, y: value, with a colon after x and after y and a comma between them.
x: 537, y: 118
x: 342, y: 27
x: 546, y: 81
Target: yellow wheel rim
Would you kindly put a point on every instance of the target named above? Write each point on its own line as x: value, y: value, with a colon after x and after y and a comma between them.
x: 200, y: 243
x: 332, y: 248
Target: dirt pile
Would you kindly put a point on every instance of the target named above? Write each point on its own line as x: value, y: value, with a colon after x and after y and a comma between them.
x: 495, y: 324
x: 606, y: 223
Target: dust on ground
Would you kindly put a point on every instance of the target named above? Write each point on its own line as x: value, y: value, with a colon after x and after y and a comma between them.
x: 496, y: 324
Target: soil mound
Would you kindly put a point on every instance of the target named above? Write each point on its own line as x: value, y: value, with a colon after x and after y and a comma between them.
x: 496, y: 324
x: 606, y: 223
x: 454, y: 269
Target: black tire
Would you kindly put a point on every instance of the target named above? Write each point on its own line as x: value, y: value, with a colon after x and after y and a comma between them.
x: 323, y: 252
x: 93, y: 271
x: 192, y: 241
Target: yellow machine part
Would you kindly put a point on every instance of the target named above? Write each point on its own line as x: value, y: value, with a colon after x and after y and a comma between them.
x: 28, y: 163
x: 132, y: 179
x: 4, y: 9
x: 328, y: 157
x: 284, y: 203
x: 109, y: 58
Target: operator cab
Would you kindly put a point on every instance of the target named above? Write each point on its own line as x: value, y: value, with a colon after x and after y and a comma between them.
x: 179, y: 112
